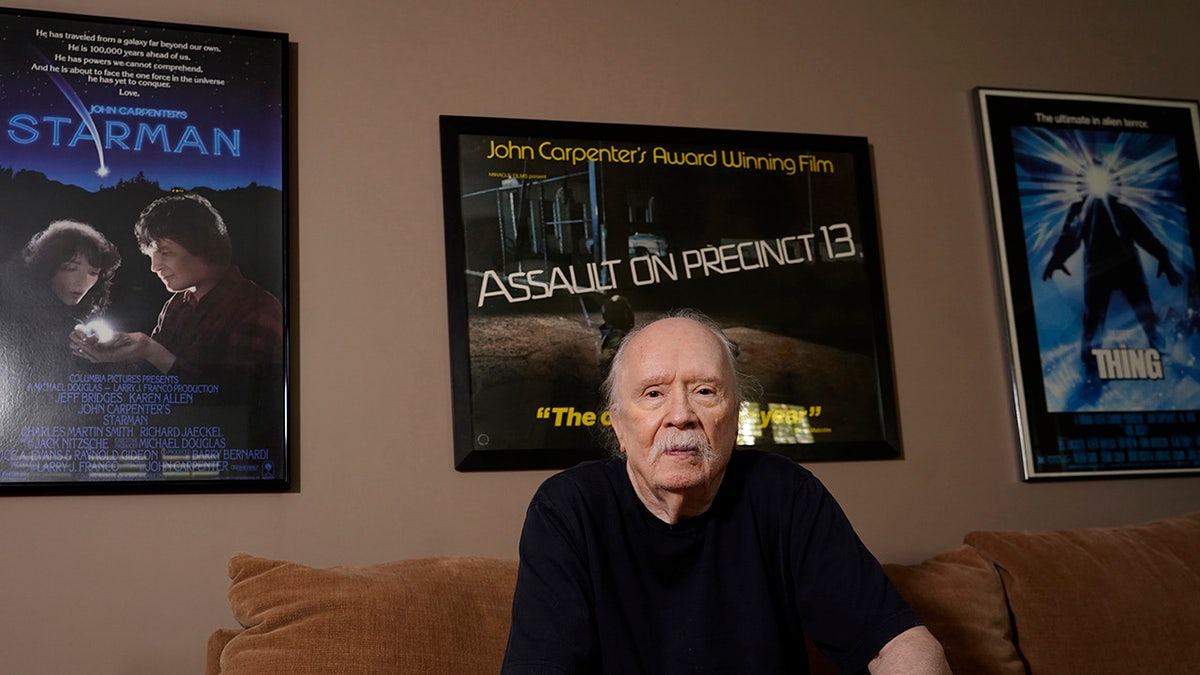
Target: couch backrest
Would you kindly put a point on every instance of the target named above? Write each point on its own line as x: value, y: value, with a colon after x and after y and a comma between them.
x: 411, y: 617
x: 428, y: 616
x: 1116, y: 600
x: 1106, y: 600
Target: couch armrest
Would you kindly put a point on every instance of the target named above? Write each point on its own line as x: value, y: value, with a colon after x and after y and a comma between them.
x: 216, y: 644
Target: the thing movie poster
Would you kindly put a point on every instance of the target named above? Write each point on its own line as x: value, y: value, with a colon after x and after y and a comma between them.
x: 151, y: 358
x: 1098, y: 211
x: 562, y: 237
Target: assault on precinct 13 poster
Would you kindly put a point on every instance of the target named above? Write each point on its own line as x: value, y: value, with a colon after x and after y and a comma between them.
x: 143, y: 323
x: 561, y: 237
x: 1096, y: 204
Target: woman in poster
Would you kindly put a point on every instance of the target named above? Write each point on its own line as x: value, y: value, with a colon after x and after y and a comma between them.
x: 60, y: 279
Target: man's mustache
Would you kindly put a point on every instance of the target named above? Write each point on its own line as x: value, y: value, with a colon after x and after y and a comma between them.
x: 693, y: 440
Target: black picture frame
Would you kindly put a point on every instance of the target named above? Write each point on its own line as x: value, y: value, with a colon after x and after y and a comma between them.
x: 102, y: 117
x: 561, y: 234
x: 1095, y: 204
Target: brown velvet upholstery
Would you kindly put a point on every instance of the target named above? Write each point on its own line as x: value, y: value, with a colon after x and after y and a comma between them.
x: 411, y: 617
x: 1118, y: 600
x: 1107, y: 600
x: 959, y: 597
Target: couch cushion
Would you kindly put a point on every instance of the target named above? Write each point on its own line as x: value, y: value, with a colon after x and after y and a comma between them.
x: 432, y: 615
x: 1103, y: 600
x: 216, y: 646
x: 959, y: 597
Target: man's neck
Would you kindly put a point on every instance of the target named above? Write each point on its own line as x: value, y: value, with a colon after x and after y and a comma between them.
x: 217, y: 273
x: 673, y: 506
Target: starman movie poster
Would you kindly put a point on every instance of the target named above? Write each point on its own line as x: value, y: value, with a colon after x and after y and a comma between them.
x: 1098, y: 199
x: 563, y: 237
x: 142, y: 237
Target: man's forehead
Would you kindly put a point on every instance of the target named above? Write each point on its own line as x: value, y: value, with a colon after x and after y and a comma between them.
x: 689, y: 374
x: 676, y: 333
x: 671, y: 346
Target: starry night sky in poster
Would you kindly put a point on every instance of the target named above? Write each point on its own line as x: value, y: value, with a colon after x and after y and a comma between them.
x: 92, y: 102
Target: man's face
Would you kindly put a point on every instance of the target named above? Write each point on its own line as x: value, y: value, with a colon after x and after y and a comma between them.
x: 176, y: 267
x: 675, y: 412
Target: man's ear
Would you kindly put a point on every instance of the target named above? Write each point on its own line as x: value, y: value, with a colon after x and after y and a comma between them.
x: 616, y: 427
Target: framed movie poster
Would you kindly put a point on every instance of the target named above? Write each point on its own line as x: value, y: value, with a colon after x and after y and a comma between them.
x: 1096, y: 202
x: 143, y: 239
x: 561, y: 237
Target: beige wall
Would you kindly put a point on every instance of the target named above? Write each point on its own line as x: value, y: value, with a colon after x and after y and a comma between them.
x: 134, y: 584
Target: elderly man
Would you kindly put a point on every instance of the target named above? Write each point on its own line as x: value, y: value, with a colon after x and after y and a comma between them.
x: 683, y: 556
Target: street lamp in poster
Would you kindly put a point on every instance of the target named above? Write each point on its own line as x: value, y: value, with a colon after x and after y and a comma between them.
x: 1096, y: 202
x: 143, y: 330
x: 561, y: 237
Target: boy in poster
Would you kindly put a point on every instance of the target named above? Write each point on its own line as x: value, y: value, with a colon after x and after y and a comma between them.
x: 217, y: 326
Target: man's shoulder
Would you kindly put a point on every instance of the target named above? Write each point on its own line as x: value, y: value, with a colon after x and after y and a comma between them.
x: 588, y: 474
x: 584, y: 482
x: 768, y: 481
x: 756, y: 465
x: 237, y: 299
x: 250, y: 291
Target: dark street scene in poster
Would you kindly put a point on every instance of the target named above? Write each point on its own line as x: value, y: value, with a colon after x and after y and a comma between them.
x: 569, y: 242
x: 142, y: 243
x: 1100, y: 203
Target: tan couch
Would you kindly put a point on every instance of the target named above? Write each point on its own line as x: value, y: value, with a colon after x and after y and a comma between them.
x: 1122, y: 600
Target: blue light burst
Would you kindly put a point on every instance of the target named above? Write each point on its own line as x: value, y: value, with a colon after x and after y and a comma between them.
x: 1057, y: 169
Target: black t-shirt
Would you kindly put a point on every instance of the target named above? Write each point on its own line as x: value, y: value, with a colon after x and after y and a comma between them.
x: 606, y: 587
